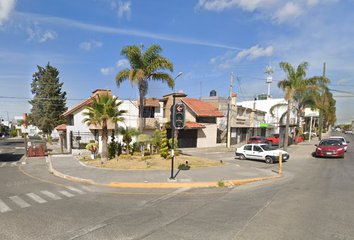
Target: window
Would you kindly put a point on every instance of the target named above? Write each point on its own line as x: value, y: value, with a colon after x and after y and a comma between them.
x: 248, y: 148
x: 206, y: 120
x: 149, y: 112
x: 257, y: 148
x: 71, y: 120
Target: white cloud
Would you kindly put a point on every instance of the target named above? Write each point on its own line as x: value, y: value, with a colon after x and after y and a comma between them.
x: 37, y: 35
x: 124, y: 8
x: 122, y: 63
x: 48, y: 35
x: 343, y: 80
x: 88, y: 45
x: 6, y: 7
x: 279, y: 11
x: 289, y: 11
x: 106, y: 71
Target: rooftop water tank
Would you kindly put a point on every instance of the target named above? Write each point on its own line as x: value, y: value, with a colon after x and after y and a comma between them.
x: 212, y: 93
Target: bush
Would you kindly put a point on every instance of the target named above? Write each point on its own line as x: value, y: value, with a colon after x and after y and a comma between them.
x: 83, y: 146
x: 147, y: 153
x: 145, y: 157
x: 124, y: 156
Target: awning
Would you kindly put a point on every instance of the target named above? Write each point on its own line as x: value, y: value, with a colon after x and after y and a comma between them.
x: 266, y: 125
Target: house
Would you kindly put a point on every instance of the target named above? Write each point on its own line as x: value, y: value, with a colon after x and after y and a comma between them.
x: 245, y: 121
x: 201, y: 121
x: 80, y: 133
x: 30, y: 129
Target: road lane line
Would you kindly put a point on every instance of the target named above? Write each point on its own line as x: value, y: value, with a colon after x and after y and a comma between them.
x: 75, y: 190
x: 66, y: 193
x: 4, y: 207
x: 19, y: 201
x: 36, y: 198
x: 51, y: 195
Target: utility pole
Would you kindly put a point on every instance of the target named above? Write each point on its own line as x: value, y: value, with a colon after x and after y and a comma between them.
x: 322, y: 102
x: 228, y: 113
x: 269, y: 70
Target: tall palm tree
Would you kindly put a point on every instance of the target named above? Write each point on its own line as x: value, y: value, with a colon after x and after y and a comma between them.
x: 145, y: 65
x: 291, y: 85
x: 104, y: 108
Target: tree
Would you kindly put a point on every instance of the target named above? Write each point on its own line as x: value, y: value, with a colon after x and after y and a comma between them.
x: 49, y: 102
x: 291, y: 85
x: 104, y: 108
x: 145, y: 65
x: 157, y: 140
x: 164, y: 143
x: 128, y: 133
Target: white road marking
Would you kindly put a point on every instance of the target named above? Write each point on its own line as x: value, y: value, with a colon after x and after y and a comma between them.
x: 88, y: 189
x: 66, y: 193
x: 51, y: 195
x: 165, y: 197
x: 3, y: 164
x: 75, y: 190
x: 19, y: 201
x: 36, y: 198
x: 4, y: 207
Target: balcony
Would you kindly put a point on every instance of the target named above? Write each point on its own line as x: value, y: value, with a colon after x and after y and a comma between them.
x: 149, y: 123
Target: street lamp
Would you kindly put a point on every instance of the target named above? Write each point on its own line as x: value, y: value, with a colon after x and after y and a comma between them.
x: 173, y: 128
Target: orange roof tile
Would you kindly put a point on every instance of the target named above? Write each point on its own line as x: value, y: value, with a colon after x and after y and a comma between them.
x: 61, y: 127
x: 85, y: 103
x: 201, y: 108
x: 194, y: 125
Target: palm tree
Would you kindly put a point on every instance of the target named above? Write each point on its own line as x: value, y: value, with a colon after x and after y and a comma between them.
x: 291, y: 85
x: 128, y: 133
x: 104, y: 109
x: 145, y: 64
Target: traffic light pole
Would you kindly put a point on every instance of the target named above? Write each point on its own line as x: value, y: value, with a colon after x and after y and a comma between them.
x: 173, y: 138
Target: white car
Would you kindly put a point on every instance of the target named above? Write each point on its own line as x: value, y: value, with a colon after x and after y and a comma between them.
x: 260, y: 152
x: 345, y: 143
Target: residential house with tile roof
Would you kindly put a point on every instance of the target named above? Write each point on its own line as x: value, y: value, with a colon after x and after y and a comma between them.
x: 201, y: 121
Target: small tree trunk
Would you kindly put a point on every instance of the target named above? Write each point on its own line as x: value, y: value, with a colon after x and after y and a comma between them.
x: 141, y: 113
x: 286, y: 140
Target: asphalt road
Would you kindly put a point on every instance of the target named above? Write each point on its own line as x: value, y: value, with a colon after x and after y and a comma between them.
x: 312, y: 201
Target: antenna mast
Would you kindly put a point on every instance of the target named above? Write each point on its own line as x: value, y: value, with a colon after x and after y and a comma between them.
x: 269, y: 70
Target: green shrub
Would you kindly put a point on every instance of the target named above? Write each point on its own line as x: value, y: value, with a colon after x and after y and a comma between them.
x: 221, y: 183
x: 124, y: 156
x: 147, y: 153
x: 83, y: 146
x: 145, y: 157
x: 92, y: 141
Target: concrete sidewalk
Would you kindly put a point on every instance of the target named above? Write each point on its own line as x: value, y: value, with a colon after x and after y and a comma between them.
x: 68, y: 167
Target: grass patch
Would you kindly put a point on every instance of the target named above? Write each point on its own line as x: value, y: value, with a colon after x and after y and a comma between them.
x: 156, y: 162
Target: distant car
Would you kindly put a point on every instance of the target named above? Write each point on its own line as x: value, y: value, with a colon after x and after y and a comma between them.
x: 345, y: 142
x: 330, y: 148
x: 349, y: 132
x: 257, y: 140
x: 274, y: 139
x: 262, y: 152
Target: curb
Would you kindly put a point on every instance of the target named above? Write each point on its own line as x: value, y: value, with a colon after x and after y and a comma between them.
x: 156, y: 185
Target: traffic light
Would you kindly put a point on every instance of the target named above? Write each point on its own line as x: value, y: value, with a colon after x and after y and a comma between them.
x: 179, y: 115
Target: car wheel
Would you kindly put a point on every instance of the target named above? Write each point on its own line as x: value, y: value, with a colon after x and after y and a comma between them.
x: 314, y: 154
x: 268, y: 160
x: 242, y: 157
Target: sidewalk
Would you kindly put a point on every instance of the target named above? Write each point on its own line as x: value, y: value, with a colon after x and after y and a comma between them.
x: 68, y: 167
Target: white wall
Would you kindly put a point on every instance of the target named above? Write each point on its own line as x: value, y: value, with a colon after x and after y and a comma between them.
x: 207, y: 136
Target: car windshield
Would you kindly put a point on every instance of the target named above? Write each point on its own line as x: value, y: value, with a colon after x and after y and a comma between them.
x: 331, y: 143
x: 268, y: 148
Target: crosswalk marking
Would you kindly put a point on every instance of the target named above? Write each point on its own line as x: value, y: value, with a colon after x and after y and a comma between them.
x: 19, y: 201
x: 51, y: 195
x: 66, y: 193
x: 3, y: 164
x: 4, y: 207
x: 36, y: 198
x: 75, y: 190
x: 88, y: 189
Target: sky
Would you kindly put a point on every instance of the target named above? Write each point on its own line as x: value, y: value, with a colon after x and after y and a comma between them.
x: 206, y: 40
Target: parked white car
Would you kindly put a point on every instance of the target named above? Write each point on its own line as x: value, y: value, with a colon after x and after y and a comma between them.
x: 262, y: 152
x: 345, y: 142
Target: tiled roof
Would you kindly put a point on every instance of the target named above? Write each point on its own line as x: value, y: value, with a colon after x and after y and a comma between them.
x: 194, y: 125
x: 201, y: 108
x: 150, y: 102
x: 61, y: 127
x: 85, y: 103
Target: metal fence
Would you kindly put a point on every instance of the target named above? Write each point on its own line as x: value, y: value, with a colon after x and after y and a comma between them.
x: 79, y: 140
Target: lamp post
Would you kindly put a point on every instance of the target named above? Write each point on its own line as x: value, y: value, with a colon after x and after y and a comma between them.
x: 173, y: 128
